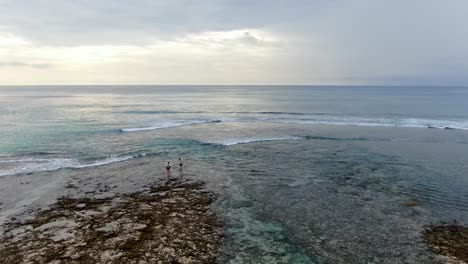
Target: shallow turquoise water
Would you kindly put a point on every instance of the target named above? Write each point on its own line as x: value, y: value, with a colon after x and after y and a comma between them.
x: 306, y: 174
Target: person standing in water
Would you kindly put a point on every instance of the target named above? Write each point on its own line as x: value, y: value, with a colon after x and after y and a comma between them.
x: 168, y: 168
x: 180, y: 164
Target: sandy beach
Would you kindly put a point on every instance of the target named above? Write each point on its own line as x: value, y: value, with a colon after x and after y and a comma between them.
x: 110, y: 214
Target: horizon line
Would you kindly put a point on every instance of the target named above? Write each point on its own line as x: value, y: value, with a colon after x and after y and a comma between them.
x: 259, y: 85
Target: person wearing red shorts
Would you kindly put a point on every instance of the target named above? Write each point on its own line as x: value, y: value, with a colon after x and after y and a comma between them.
x: 168, y: 168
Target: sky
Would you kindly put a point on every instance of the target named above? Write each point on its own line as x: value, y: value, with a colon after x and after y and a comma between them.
x: 321, y: 42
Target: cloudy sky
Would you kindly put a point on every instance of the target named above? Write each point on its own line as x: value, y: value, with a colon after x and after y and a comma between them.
x: 398, y: 42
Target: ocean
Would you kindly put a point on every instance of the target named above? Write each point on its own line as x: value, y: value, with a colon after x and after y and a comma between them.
x: 305, y: 174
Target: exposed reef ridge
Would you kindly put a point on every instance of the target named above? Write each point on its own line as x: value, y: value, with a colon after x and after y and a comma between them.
x: 170, y: 223
x: 450, y: 240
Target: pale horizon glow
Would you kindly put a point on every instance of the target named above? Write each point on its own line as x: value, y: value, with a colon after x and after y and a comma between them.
x: 224, y: 42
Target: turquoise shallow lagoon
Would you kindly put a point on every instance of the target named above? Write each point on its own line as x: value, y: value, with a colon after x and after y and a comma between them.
x: 305, y: 174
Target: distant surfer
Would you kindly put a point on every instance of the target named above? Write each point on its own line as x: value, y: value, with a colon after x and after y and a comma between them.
x: 168, y: 168
x: 180, y: 164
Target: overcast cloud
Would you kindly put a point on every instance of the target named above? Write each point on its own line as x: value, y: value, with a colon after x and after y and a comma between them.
x: 234, y: 42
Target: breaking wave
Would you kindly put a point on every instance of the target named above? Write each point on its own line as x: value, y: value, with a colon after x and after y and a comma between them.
x: 312, y: 118
x: 37, y: 165
x: 170, y: 125
x: 382, y: 122
x: 230, y: 142
x: 158, y: 112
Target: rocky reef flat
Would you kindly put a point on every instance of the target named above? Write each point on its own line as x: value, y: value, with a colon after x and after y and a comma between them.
x: 449, y: 240
x: 168, y: 222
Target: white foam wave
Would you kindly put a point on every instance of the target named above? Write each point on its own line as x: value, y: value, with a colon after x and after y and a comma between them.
x: 24, y: 160
x: 385, y: 122
x: 230, y: 142
x: 319, y: 119
x: 112, y: 159
x: 38, y: 165
x: 170, y: 125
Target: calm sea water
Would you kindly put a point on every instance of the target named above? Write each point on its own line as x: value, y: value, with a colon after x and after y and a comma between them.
x: 307, y: 174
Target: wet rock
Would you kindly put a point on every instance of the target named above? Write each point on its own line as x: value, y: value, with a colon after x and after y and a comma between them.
x: 410, y: 203
x: 449, y: 240
x: 80, y: 206
x: 173, y: 226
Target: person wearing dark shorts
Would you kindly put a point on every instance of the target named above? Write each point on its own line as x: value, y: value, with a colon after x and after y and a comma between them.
x: 180, y: 164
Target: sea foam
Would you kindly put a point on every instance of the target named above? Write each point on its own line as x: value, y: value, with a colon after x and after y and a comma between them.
x: 320, y: 119
x: 230, y: 142
x: 38, y: 165
x: 170, y: 125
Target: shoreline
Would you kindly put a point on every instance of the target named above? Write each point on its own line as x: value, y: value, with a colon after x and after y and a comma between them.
x: 170, y: 222
x: 73, y: 206
x: 121, y: 212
